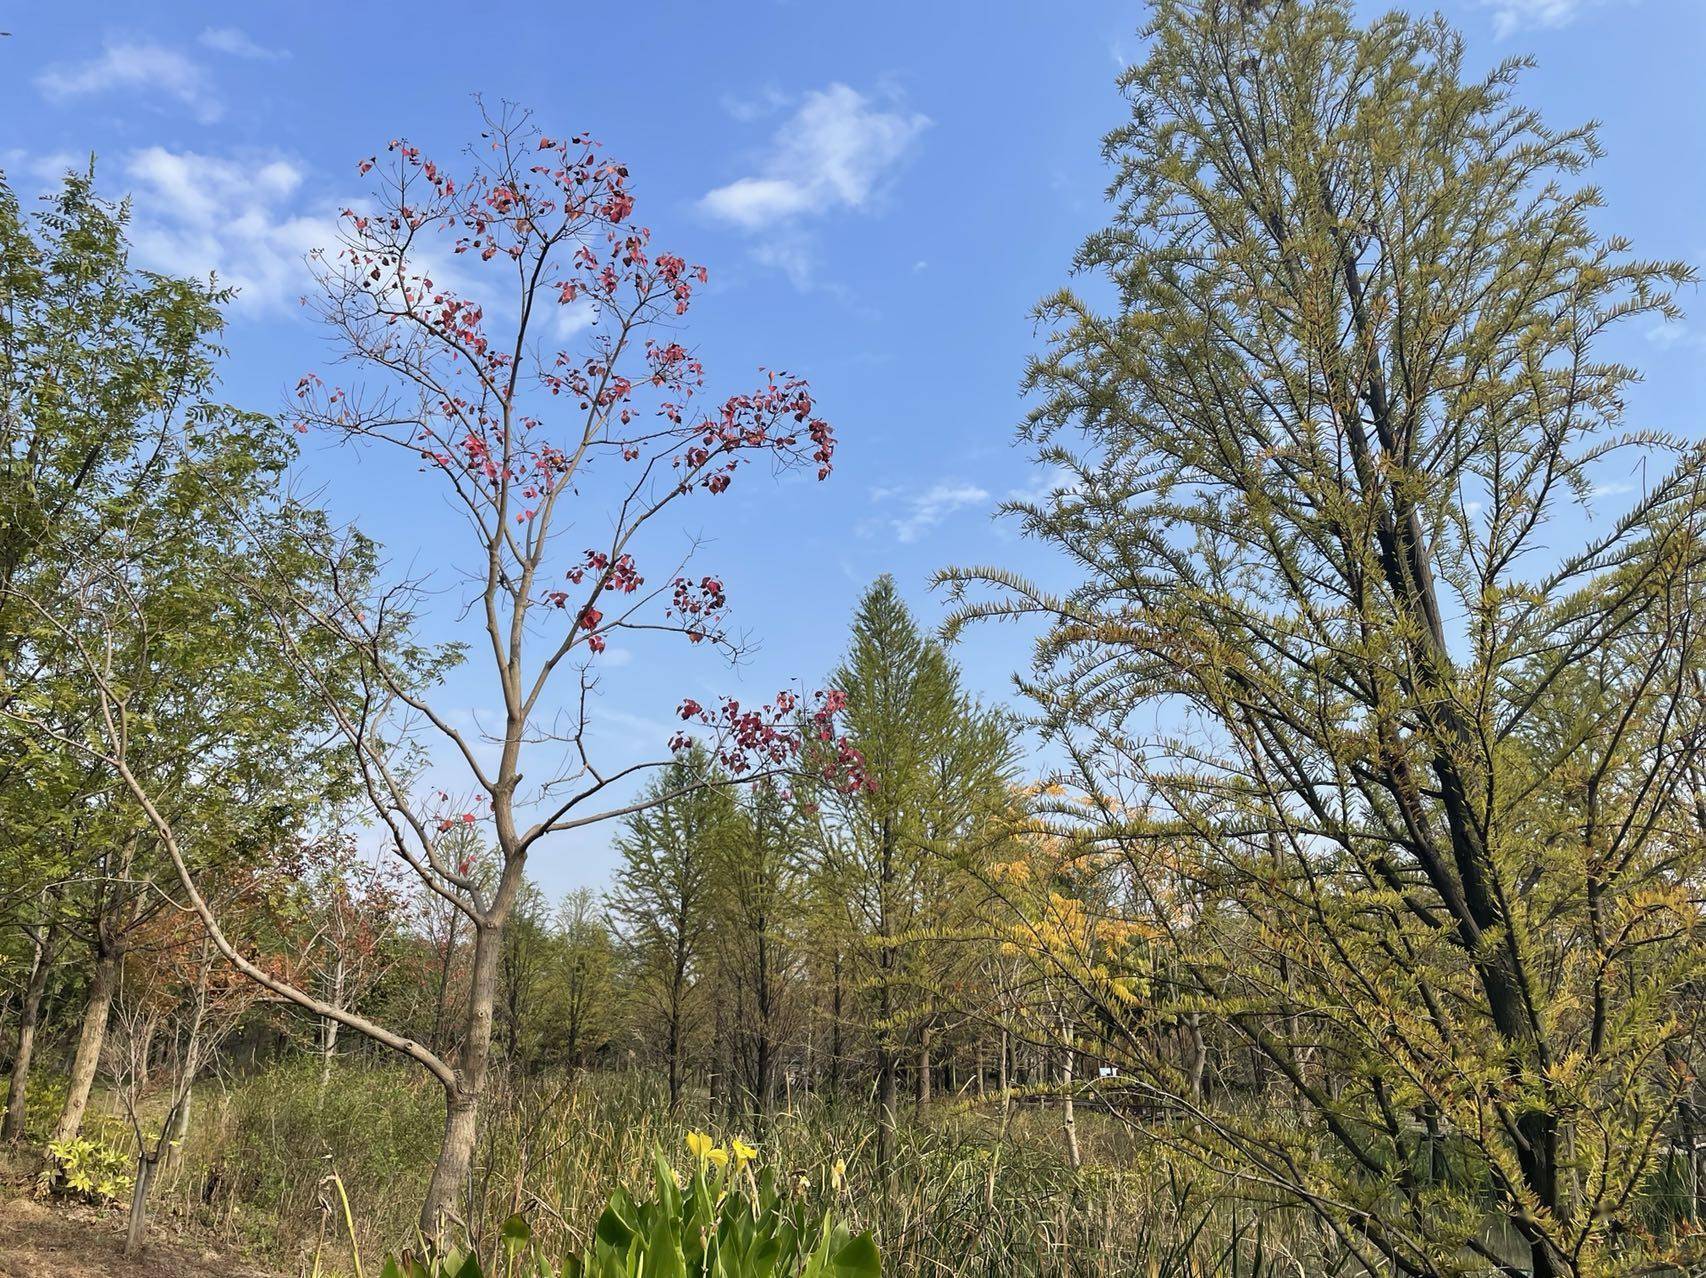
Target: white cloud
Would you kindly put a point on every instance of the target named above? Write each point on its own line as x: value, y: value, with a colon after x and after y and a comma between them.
x: 570, y: 318
x: 1599, y: 492
x: 48, y: 169
x: 1048, y: 481
x: 927, y: 509
x: 767, y: 101
x: 1676, y: 334
x: 135, y: 66
x: 1512, y: 16
x: 838, y: 150
x: 238, y: 44
x: 238, y: 217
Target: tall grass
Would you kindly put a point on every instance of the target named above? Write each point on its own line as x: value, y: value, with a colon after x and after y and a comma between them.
x: 969, y: 1194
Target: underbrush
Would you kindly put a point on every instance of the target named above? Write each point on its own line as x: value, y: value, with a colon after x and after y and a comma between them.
x: 968, y: 1194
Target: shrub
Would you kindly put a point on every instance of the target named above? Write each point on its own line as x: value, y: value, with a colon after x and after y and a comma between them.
x: 88, y: 1169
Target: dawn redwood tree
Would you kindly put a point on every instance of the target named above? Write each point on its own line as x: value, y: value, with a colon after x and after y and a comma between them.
x: 450, y: 294
x: 662, y: 898
x: 1397, y: 769
x: 580, y: 992
x: 938, y: 765
x: 757, y: 881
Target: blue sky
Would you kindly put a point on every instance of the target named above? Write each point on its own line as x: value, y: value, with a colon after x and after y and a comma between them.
x: 881, y: 190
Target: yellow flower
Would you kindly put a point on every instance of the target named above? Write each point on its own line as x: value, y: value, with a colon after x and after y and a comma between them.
x: 743, y: 1152
x: 700, y: 1145
x: 718, y: 1156
x: 838, y: 1174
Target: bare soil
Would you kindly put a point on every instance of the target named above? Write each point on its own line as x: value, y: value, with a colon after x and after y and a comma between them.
x: 42, y: 1238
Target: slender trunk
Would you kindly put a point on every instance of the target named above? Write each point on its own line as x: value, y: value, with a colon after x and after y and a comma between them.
x: 461, y: 1112
x: 677, y: 1001
x: 885, y: 1011
x: 139, y: 1204
x: 1199, y: 1053
x: 765, y: 1048
x: 178, y: 1137
x: 835, y: 1035
x: 924, y: 1068
x: 1069, y: 1119
x: 444, y: 971
x: 329, y: 1027
x: 89, y: 1042
x: 29, y: 1016
x: 672, y: 1050
x: 885, y: 1092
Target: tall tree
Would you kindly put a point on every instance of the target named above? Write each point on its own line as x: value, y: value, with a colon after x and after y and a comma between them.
x: 127, y: 486
x: 757, y: 865
x: 523, y: 438
x: 1401, y: 773
x: 582, y: 986
x: 661, y: 898
x: 937, y: 765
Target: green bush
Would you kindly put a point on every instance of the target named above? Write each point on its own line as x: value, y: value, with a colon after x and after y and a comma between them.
x: 92, y: 1170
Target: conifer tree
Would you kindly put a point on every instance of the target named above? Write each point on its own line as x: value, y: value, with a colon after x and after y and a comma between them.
x: 661, y: 899
x: 1397, y: 767
x: 937, y: 764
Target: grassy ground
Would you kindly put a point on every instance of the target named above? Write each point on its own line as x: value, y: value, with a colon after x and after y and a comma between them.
x: 971, y: 1193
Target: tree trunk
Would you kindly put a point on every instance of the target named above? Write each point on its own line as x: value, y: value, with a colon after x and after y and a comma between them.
x: 180, y: 1132
x: 672, y: 1049
x: 329, y: 1026
x: 139, y: 1205
x: 835, y: 1035
x: 455, y: 1158
x: 886, y: 1064
x: 1069, y: 1119
x: 885, y: 1098
x: 1199, y: 1053
x: 462, y: 1101
x: 924, y: 1069
x: 89, y: 1042
x: 29, y: 1015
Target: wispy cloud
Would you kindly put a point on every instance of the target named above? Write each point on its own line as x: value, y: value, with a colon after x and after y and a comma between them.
x: 239, y: 44
x: 1676, y: 334
x: 46, y: 169
x: 1512, y: 16
x: 135, y: 67
x: 920, y: 512
x: 241, y: 217
x: 766, y: 101
x: 839, y: 150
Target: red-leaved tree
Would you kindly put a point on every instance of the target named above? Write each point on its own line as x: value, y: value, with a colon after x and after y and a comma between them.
x: 449, y: 294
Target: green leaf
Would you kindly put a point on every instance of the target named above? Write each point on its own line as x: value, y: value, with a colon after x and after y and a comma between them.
x: 515, y: 1235
x: 859, y: 1258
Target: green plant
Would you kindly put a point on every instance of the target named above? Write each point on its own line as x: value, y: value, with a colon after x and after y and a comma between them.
x: 728, y: 1221
x: 89, y: 1169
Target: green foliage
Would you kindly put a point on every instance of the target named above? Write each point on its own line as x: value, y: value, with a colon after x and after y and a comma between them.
x: 90, y: 1169
x: 726, y: 1222
x: 1382, y: 779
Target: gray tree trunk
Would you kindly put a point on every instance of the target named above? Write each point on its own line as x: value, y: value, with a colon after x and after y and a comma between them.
x: 29, y: 1016
x: 462, y: 1102
x: 87, y: 1058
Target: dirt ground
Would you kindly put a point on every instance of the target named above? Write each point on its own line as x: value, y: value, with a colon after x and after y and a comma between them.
x: 51, y: 1239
